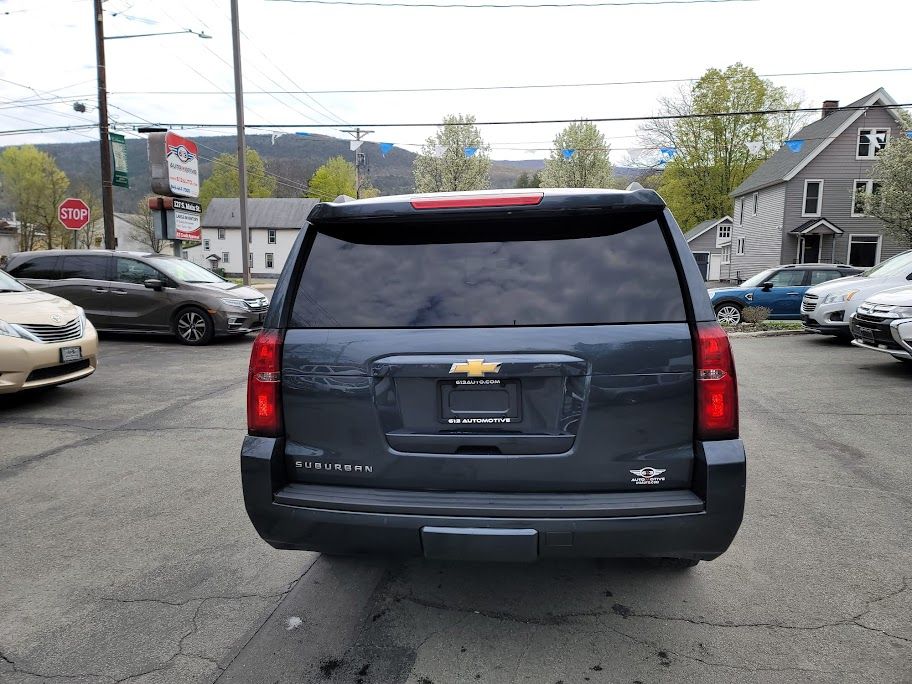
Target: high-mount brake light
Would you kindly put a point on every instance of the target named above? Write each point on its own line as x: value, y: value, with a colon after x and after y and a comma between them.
x: 717, y: 385
x: 478, y: 201
x: 264, y: 385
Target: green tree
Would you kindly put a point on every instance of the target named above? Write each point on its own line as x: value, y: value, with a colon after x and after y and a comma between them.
x: 443, y: 165
x: 337, y: 177
x: 589, y: 165
x: 892, y: 203
x: 528, y: 180
x: 223, y: 181
x: 711, y: 153
x: 34, y: 186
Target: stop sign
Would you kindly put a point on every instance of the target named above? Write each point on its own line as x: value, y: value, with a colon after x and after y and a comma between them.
x: 73, y: 213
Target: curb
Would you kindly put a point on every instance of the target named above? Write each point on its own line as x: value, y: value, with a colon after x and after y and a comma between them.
x: 770, y: 333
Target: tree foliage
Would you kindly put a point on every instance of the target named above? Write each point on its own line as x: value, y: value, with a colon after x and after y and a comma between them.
x: 337, y: 177
x: 528, y: 180
x: 892, y: 203
x: 34, y: 186
x: 443, y: 165
x: 223, y: 181
x: 588, y: 167
x: 712, y: 157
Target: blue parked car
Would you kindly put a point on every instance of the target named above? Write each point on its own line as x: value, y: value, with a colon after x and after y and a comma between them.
x: 778, y: 289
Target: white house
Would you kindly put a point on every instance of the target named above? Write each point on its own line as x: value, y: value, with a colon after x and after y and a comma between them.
x: 710, y: 242
x: 274, y: 223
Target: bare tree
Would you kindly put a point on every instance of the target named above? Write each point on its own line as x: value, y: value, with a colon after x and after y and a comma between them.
x: 142, y: 228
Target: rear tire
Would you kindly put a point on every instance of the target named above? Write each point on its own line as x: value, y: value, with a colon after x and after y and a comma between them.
x: 728, y: 314
x: 194, y: 327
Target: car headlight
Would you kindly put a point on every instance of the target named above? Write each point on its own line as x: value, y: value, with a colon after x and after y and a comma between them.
x: 903, y: 311
x: 8, y: 330
x: 234, y: 303
x: 835, y: 297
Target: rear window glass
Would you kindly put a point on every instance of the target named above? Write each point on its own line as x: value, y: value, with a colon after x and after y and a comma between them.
x: 614, y: 270
x: 38, y: 267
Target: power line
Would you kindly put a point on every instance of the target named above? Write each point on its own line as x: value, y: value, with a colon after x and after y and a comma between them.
x: 526, y: 122
x: 526, y: 86
x: 551, y: 5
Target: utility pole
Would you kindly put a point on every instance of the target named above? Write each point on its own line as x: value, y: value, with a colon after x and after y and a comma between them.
x: 107, y: 187
x: 360, y: 157
x: 241, y: 141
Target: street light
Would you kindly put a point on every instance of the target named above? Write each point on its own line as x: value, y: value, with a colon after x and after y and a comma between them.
x: 107, y: 186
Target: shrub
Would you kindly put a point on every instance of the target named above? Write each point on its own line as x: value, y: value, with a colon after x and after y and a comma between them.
x: 755, y: 314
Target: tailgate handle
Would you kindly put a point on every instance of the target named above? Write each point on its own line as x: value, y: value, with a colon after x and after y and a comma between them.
x: 479, y: 450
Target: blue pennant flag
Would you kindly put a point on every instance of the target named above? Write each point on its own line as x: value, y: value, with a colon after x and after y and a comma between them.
x: 795, y: 145
x: 385, y: 148
x: 303, y: 134
x: 470, y: 151
x: 909, y: 135
x: 568, y: 153
x: 667, y: 153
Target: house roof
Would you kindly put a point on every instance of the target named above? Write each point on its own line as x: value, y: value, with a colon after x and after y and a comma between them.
x: 265, y: 212
x: 785, y: 164
x: 703, y: 226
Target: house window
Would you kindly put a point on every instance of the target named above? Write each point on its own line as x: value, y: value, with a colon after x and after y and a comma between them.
x: 739, y: 246
x: 271, y: 236
x: 726, y: 254
x: 723, y: 231
x: 226, y: 257
x: 250, y: 259
x: 864, y: 250
x: 756, y: 203
x: 813, y: 198
x: 270, y: 260
x: 206, y: 244
x: 250, y: 236
x: 740, y: 211
x: 863, y: 187
x: 221, y: 233
x: 871, y: 141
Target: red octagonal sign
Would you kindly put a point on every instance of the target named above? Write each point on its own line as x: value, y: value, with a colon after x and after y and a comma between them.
x: 73, y: 213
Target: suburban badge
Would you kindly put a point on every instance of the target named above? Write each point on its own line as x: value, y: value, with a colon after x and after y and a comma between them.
x: 475, y: 368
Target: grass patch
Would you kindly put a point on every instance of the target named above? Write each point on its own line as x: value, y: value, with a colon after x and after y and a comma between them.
x: 764, y: 326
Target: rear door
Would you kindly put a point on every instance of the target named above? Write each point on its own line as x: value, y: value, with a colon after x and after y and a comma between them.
x: 490, y: 355
x: 84, y: 279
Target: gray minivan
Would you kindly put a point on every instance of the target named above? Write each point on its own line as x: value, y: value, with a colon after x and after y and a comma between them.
x: 507, y: 375
x: 144, y: 292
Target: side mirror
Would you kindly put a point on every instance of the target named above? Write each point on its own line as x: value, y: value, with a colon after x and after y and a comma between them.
x: 153, y: 284
x: 767, y: 286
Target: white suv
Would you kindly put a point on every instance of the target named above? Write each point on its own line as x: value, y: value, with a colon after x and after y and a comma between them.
x: 827, y: 308
x: 883, y: 323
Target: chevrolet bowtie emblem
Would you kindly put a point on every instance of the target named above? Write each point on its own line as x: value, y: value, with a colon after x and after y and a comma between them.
x: 475, y: 368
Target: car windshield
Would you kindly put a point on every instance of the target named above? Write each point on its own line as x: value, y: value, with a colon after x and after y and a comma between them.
x: 10, y: 284
x: 186, y: 271
x: 761, y: 277
x: 900, y: 265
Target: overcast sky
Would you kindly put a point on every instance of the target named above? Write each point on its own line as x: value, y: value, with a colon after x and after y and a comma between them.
x: 48, y: 45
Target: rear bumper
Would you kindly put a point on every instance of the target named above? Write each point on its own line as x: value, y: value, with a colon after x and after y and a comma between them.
x: 488, y: 526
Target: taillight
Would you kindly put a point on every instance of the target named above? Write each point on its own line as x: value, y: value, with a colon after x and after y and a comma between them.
x: 717, y: 386
x: 264, y: 385
x: 475, y: 201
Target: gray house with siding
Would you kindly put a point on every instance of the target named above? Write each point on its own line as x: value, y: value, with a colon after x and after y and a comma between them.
x: 807, y: 205
x: 710, y: 242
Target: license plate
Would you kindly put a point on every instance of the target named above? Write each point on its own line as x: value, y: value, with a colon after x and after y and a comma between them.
x: 70, y: 354
x: 866, y: 333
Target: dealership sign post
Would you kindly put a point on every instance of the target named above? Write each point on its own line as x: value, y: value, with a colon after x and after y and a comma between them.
x: 174, y: 166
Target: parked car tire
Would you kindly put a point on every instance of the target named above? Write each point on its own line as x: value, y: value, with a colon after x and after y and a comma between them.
x: 194, y: 326
x: 728, y: 313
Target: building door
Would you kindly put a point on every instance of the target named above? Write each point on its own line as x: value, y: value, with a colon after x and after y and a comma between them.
x: 702, y: 259
x: 715, y: 266
x: 809, y: 249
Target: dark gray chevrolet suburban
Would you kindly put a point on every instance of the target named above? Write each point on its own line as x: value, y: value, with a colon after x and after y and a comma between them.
x: 495, y: 376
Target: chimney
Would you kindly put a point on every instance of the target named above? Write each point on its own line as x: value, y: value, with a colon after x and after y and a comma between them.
x: 829, y: 106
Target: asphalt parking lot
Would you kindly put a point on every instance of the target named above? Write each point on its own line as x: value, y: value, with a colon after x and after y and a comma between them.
x: 127, y: 554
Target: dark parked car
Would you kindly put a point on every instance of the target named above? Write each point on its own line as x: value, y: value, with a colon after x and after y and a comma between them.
x: 495, y: 376
x: 140, y: 292
x: 778, y: 289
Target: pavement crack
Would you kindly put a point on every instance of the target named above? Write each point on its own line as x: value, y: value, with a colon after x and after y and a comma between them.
x: 44, y: 675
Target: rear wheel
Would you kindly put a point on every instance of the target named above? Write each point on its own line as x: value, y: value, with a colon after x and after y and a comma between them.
x: 728, y: 314
x: 194, y: 326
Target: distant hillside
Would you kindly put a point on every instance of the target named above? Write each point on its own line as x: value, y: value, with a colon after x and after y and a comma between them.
x: 292, y: 158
